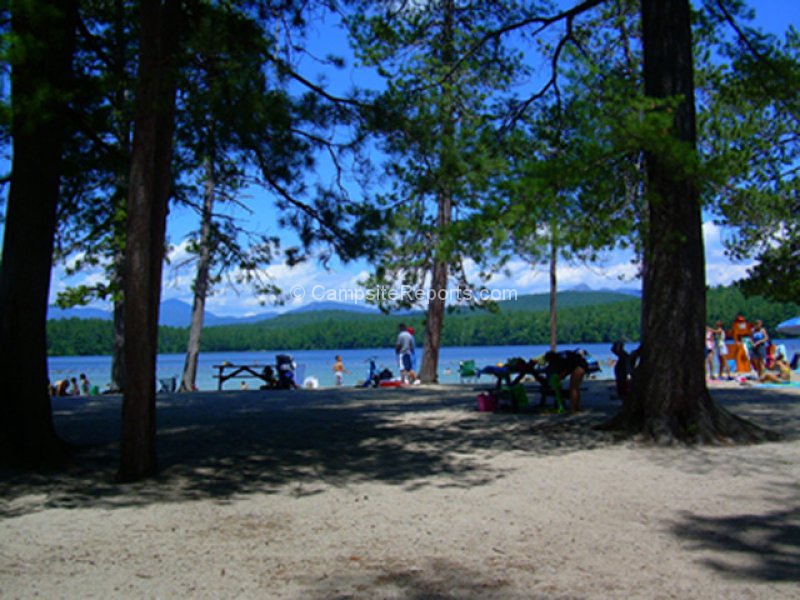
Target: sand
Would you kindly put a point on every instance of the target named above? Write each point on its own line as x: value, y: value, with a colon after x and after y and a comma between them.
x: 412, y: 493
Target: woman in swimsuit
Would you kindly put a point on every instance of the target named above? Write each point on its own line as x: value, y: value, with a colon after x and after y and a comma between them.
x: 760, y: 343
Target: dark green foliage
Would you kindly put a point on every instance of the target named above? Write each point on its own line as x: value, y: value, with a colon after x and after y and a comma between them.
x: 777, y: 276
x: 592, y: 317
x: 724, y: 303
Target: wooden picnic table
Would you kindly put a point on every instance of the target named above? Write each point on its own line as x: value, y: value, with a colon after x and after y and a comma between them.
x: 518, y: 370
x: 256, y: 371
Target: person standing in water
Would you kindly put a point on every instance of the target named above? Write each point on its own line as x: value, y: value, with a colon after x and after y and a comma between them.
x: 339, y: 370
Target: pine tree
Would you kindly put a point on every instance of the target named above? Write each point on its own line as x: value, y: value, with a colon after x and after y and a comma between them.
x: 43, y: 45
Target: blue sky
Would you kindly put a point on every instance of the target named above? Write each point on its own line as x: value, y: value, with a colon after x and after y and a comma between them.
x: 613, y: 271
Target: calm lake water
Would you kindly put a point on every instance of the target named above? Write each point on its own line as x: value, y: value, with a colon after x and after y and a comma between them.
x: 315, y: 363
x: 319, y: 363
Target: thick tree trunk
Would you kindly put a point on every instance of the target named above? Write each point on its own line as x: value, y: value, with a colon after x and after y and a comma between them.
x: 669, y: 399
x: 44, y: 40
x: 147, y: 213
x: 200, y: 284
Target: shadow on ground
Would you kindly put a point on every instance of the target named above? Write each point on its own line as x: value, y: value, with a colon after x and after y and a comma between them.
x: 759, y: 547
x: 222, y: 445
x: 219, y: 445
x: 433, y: 579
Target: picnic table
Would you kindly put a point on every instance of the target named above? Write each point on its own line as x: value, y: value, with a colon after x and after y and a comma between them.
x: 518, y: 368
x: 515, y: 370
x: 226, y: 371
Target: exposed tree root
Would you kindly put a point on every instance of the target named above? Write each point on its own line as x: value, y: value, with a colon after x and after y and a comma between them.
x: 708, y: 424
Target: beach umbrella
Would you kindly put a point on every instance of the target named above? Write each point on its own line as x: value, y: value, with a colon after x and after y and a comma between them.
x: 790, y: 327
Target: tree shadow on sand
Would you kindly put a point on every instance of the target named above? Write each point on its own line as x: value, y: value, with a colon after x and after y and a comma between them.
x: 431, y: 579
x: 757, y: 547
x: 220, y: 446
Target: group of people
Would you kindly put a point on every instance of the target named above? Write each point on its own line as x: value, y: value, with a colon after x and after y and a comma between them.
x: 757, y: 344
x: 767, y: 360
x: 70, y: 386
x: 405, y: 353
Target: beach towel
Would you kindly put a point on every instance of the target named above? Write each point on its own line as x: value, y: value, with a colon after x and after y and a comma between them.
x: 794, y: 384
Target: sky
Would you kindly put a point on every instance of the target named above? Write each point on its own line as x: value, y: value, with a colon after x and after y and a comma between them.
x: 311, y: 281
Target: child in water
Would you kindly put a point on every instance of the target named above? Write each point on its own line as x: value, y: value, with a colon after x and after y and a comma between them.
x: 339, y: 370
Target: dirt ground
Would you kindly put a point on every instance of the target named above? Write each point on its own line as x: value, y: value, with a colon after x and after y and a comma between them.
x: 410, y: 493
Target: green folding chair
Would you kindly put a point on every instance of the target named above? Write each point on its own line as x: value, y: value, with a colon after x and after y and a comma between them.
x: 467, y: 370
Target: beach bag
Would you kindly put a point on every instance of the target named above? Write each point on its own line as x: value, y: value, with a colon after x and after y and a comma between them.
x: 487, y: 402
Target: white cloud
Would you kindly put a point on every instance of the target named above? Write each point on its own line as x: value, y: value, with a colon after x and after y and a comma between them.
x: 615, y: 271
x: 721, y: 270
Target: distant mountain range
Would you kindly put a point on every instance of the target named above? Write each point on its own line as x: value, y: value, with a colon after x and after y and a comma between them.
x: 627, y: 291
x: 176, y: 313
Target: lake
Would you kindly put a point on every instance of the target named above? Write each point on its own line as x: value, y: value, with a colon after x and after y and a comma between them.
x: 319, y: 363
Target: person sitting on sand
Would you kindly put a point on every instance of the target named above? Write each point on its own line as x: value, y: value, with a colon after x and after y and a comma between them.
x: 783, y: 372
x: 339, y: 370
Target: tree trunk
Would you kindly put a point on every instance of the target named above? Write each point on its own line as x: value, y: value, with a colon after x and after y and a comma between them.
x: 553, y: 290
x: 669, y: 399
x: 120, y: 195
x: 200, y: 284
x: 434, y: 322
x: 147, y: 213
x: 44, y: 43
x: 429, y: 372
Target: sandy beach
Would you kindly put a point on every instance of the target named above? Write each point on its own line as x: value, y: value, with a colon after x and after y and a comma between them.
x: 412, y: 494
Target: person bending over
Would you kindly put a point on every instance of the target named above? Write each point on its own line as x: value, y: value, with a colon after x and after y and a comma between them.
x: 570, y: 364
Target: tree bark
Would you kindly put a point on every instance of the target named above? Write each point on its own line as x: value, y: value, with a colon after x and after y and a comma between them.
x: 434, y: 322
x: 41, y: 77
x: 669, y: 399
x: 200, y: 283
x: 147, y: 213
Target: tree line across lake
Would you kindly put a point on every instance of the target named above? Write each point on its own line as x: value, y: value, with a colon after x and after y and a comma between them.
x: 585, y: 318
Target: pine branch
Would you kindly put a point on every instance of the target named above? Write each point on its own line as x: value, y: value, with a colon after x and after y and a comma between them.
x: 760, y: 57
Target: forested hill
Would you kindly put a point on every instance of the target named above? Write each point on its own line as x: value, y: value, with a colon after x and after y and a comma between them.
x: 584, y: 317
